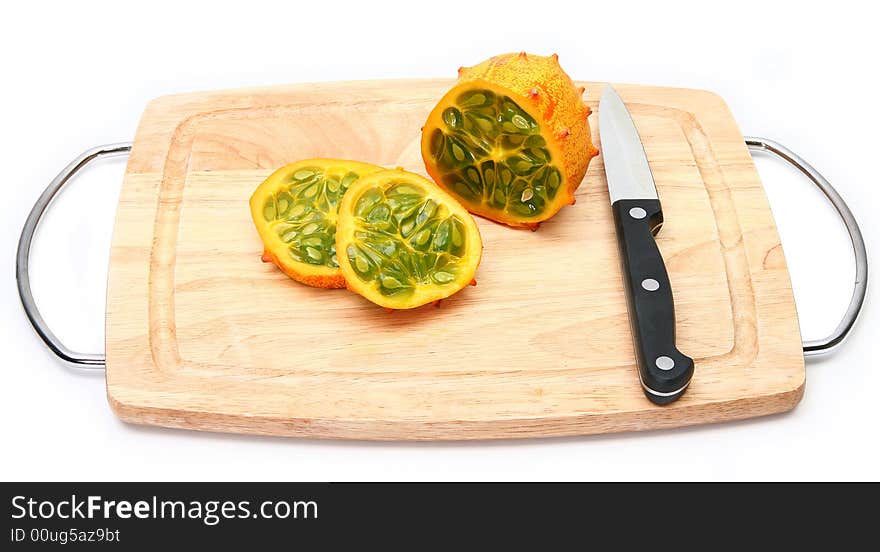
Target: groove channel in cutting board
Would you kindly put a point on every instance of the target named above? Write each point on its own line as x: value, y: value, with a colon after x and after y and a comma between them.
x: 202, y: 335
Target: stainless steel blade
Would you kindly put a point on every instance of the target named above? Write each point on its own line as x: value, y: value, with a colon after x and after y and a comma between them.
x: 626, y: 165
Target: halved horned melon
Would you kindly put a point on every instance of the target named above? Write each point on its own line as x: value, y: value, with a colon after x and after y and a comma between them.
x: 511, y: 139
x: 295, y: 212
x: 403, y: 242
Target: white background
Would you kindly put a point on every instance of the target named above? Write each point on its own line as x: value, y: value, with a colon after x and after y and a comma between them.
x: 78, y: 74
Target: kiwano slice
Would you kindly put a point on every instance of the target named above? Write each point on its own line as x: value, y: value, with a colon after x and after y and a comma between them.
x: 511, y: 139
x: 295, y: 211
x: 403, y: 242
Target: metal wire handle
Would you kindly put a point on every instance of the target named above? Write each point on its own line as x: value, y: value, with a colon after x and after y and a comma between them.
x: 97, y: 361
x: 832, y: 341
x: 83, y: 360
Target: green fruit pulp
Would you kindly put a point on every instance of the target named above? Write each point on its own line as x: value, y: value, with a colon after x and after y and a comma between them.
x: 303, y: 214
x: 404, y: 239
x: 490, y: 152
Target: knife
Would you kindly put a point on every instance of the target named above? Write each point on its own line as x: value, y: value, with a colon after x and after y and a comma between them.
x: 664, y: 371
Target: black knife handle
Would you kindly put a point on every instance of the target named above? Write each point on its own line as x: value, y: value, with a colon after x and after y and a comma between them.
x: 664, y: 371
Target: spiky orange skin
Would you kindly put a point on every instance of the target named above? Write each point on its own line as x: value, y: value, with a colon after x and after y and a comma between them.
x: 547, y: 93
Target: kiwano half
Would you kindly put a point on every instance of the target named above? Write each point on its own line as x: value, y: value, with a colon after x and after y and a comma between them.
x: 511, y: 140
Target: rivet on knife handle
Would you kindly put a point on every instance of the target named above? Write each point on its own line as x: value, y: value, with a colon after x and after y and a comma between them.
x: 663, y: 370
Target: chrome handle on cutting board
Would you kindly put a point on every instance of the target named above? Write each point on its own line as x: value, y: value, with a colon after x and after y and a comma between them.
x: 83, y: 360
x: 829, y: 343
x: 97, y: 361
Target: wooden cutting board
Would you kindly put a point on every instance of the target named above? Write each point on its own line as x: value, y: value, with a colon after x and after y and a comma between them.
x: 202, y: 335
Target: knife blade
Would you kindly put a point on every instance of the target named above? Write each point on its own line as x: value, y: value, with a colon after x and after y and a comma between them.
x: 664, y: 371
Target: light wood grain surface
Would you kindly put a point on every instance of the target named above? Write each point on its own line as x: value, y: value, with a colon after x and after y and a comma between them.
x: 202, y: 335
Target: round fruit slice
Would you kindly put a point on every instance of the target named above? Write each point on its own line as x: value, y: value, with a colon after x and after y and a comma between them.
x: 404, y: 242
x: 295, y: 211
x: 511, y: 139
